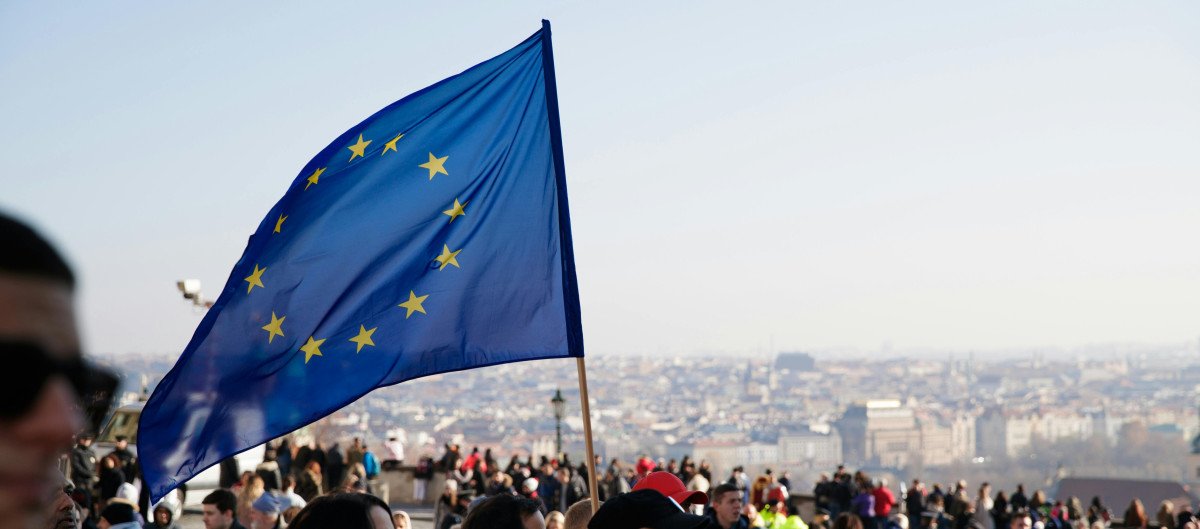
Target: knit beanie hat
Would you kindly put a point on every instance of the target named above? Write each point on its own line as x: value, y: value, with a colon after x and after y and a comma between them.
x: 268, y: 503
x: 118, y: 512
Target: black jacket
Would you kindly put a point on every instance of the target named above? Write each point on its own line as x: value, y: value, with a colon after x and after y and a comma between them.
x: 576, y: 489
x: 83, y: 466
x: 741, y: 523
x: 111, y: 479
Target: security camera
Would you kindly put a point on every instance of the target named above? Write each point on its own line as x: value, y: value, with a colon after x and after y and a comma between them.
x: 189, y: 287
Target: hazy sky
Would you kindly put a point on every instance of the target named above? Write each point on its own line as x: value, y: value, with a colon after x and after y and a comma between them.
x: 944, y: 175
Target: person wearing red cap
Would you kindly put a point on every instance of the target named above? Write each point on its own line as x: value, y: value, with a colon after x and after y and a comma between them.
x: 670, y: 486
x: 646, y: 508
x: 644, y: 466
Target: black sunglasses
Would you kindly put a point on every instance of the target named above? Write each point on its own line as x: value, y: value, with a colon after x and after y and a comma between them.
x: 20, y: 388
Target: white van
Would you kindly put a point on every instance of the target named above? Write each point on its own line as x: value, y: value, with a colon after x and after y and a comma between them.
x: 124, y: 422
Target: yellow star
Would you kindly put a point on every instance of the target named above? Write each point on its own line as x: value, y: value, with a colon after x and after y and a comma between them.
x: 363, y: 338
x: 391, y: 145
x: 314, y: 177
x: 456, y: 210
x: 447, y: 257
x: 279, y: 223
x: 255, y: 279
x: 359, y: 149
x: 311, y: 349
x: 275, y: 328
x: 414, y: 304
x: 435, y: 165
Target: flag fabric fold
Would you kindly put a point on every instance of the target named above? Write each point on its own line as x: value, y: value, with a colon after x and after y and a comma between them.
x: 432, y: 237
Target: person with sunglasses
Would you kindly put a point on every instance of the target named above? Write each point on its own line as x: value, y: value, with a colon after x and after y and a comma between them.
x: 47, y: 388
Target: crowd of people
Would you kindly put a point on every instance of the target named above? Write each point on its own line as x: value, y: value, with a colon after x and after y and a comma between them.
x: 51, y: 478
x: 957, y: 508
x: 557, y: 488
x: 844, y: 500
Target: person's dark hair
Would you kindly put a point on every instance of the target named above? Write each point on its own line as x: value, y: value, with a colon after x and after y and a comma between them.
x: 223, y: 500
x: 847, y: 521
x: 119, y: 512
x: 28, y: 253
x: 344, y: 510
x: 502, y: 511
x: 722, y: 489
x: 288, y: 482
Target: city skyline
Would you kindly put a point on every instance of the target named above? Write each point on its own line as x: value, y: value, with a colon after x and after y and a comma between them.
x: 1082, y: 352
x: 1008, y: 420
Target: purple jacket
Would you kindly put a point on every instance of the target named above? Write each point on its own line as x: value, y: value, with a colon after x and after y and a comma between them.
x: 863, y: 505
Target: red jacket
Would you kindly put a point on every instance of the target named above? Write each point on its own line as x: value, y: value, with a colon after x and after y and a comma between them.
x: 469, y: 463
x: 884, y: 500
x: 645, y: 466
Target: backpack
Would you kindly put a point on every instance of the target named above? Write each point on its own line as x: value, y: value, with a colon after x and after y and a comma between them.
x: 370, y: 464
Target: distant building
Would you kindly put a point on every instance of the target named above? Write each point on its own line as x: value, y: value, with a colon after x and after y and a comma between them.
x: 879, y: 432
x: 890, y: 434
x: 758, y: 454
x: 1003, y: 433
x: 1062, y: 424
x: 1106, y: 424
x: 1007, y: 432
x: 795, y: 362
x: 809, y: 449
x: 944, y: 442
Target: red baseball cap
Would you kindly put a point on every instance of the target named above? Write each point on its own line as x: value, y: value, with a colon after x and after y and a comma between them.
x: 670, y: 486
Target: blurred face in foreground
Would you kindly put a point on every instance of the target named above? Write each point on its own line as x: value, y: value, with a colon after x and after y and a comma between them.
x: 40, y: 312
x: 1023, y: 522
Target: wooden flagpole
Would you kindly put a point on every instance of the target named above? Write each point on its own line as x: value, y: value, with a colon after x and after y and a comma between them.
x: 593, y: 482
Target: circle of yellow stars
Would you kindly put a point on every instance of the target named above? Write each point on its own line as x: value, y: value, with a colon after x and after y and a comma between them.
x: 435, y: 165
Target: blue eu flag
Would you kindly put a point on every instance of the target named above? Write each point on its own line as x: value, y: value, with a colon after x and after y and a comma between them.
x: 432, y: 237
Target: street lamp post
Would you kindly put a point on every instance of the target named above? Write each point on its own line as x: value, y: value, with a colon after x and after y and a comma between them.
x: 560, y: 405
